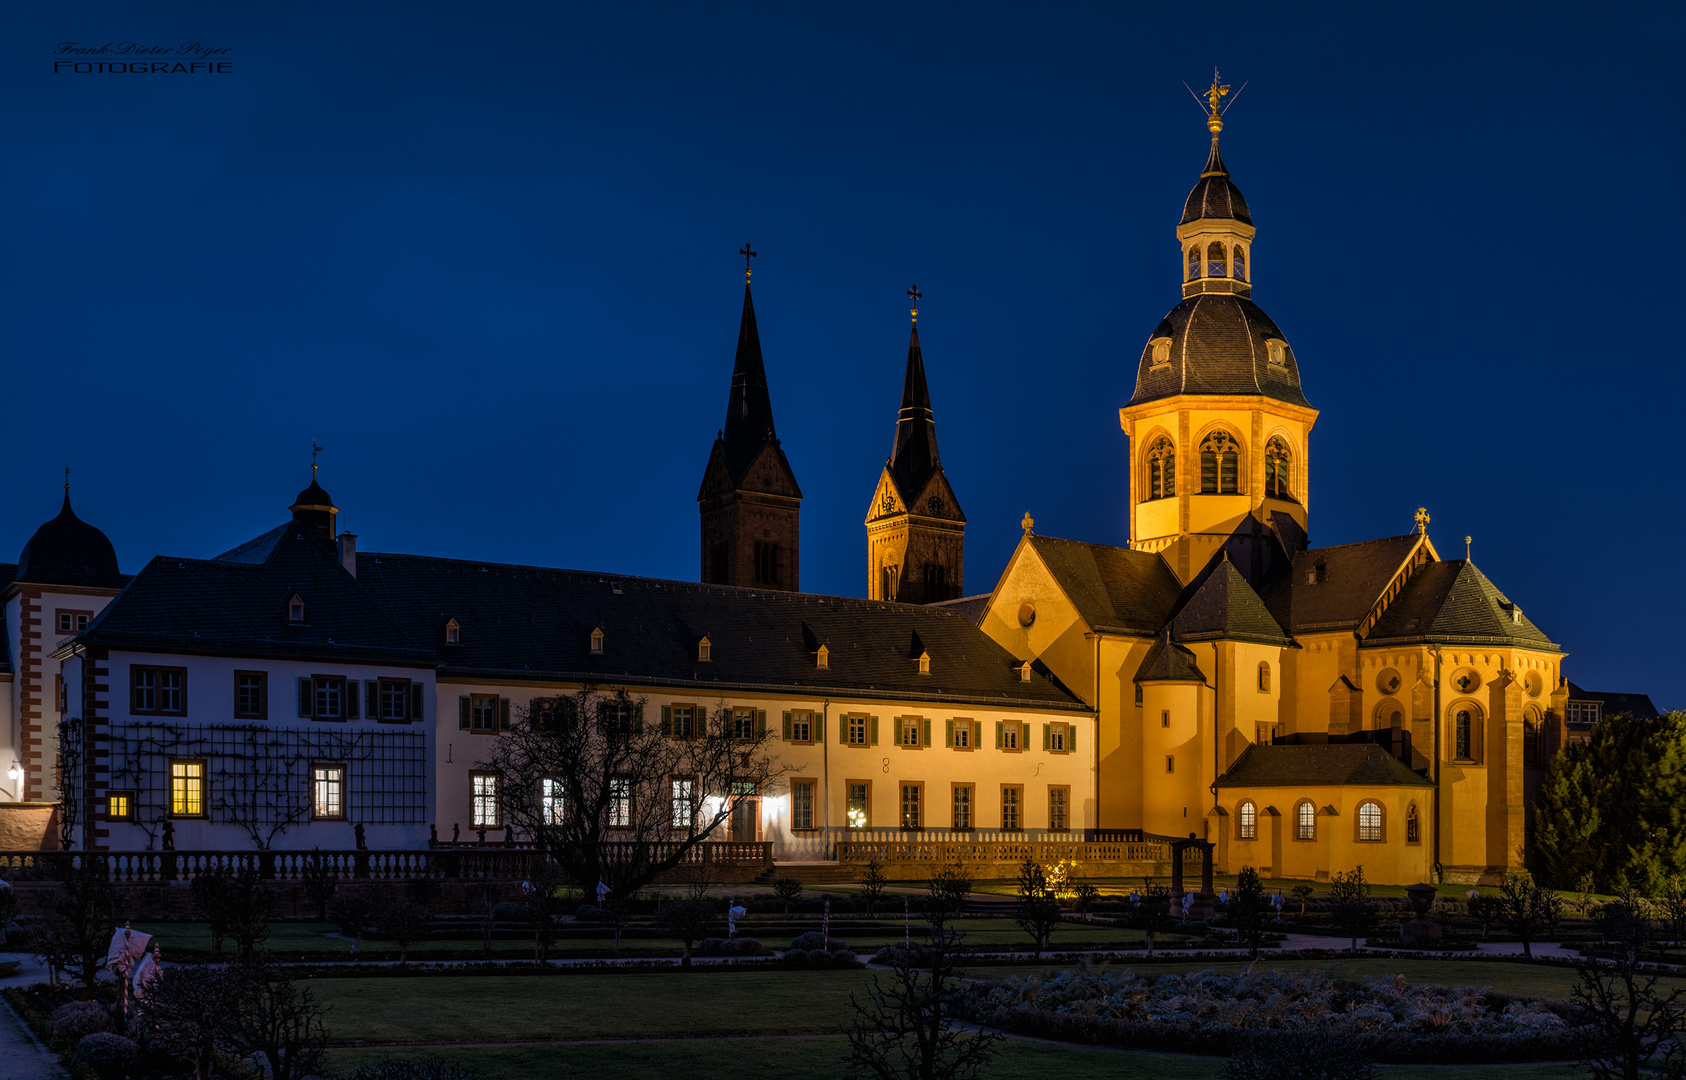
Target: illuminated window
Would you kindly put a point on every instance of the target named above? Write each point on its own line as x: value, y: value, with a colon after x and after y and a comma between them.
x: 1305, y: 821
x: 485, y: 812
x: 1059, y: 798
x: 1220, y: 465
x: 552, y: 800
x: 860, y: 804
x: 187, y: 789
x: 620, y: 802
x: 705, y: 651
x: 120, y: 806
x: 684, y: 809
x: 1369, y: 821
x: 1215, y: 260
x: 1012, y: 803
x: 1161, y: 470
x: 963, y: 806
x: 1240, y: 263
x: 1279, y: 474
x: 327, y: 792
x: 1247, y: 821
x: 911, y: 794
x: 802, y: 805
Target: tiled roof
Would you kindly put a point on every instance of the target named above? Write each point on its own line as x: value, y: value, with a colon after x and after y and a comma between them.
x: 1113, y: 588
x: 970, y: 608
x: 1454, y: 602
x: 1221, y: 604
x: 1218, y: 347
x: 536, y: 623
x: 69, y: 551
x: 914, y: 457
x: 1352, y: 579
x: 1169, y: 662
x: 1318, y: 765
x: 1637, y: 706
x: 1215, y: 195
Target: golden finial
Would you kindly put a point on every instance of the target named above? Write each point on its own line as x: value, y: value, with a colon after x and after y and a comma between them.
x: 915, y: 295
x: 314, y: 450
x: 1215, y: 121
x: 1422, y: 520
x: 748, y: 253
x: 1027, y: 523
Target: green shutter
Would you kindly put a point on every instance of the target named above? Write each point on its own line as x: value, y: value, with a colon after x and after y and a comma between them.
x: 948, y: 733
x: 304, y: 697
x: 843, y: 728
x: 787, y: 725
x: 503, y: 714
x: 416, y: 690
x: 351, y: 692
x: 760, y: 723
x: 872, y: 735
x: 926, y: 725
x: 1047, y: 736
x: 1071, y: 739
x: 998, y: 734
x: 462, y: 712
x: 667, y: 721
x: 977, y: 734
x: 819, y: 727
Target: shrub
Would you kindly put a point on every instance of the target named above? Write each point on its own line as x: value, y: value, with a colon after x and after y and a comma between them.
x: 743, y: 946
x: 419, y: 1068
x: 813, y: 939
x: 510, y: 911
x: 1304, y: 1055
x: 105, y: 1054
x: 898, y: 955
x: 68, y: 1024
x: 787, y: 889
x: 354, y: 915
x: 584, y: 913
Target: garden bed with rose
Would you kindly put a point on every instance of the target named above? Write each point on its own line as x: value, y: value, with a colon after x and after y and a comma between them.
x: 1206, y: 1012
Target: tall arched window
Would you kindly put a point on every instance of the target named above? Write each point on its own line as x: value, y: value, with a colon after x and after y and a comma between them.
x: 1279, y: 469
x: 1193, y: 263
x: 1247, y: 817
x: 1413, y: 828
x: 1215, y: 260
x: 1240, y: 263
x: 1531, y: 738
x: 1463, y: 726
x: 1220, y: 465
x: 1161, y: 470
x: 1305, y: 821
x: 1370, y: 821
x: 1264, y: 675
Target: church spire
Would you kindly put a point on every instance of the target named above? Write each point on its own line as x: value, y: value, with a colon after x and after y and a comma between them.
x: 749, y: 408
x: 914, y: 457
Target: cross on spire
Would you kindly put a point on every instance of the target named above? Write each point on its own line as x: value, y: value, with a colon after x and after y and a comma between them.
x: 915, y: 295
x: 748, y: 253
x: 1422, y: 519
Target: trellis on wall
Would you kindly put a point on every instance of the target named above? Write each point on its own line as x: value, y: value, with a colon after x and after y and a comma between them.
x: 259, y: 778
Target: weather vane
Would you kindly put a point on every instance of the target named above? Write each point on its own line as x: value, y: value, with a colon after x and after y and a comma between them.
x: 1213, y: 106
x: 915, y: 295
x: 314, y: 450
x: 748, y: 253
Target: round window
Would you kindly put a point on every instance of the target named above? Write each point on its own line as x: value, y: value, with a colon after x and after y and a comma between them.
x: 1388, y: 681
x: 1027, y: 613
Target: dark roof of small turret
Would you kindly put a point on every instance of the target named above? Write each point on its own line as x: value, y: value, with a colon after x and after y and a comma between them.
x: 69, y: 551
x: 1215, y: 196
x: 1169, y: 662
x: 1221, y: 604
x: 1218, y: 346
x: 314, y: 496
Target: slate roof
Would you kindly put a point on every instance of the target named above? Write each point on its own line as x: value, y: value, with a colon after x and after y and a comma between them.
x: 1637, y: 706
x: 1220, y: 604
x: 69, y: 551
x: 212, y: 606
x: 1218, y: 347
x: 1318, y: 765
x: 1114, y: 589
x: 1215, y: 196
x: 1453, y: 602
x: 1169, y: 662
x: 749, y: 406
x: 1354, y: 576
x: 536, y: 622
x: 914, y: 457
x: 970, y: 608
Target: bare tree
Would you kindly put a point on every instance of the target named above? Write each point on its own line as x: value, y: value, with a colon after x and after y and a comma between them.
x: 1035, y: 909
x: 70, y: 782
x: 946, y: 893
x: 686, y: 921
x: 270, y: 1017
x: 185, y: 1013
x: 84, y: 913
x: 404, y: 926
x: 320, y: 883
x: 1526, y: 908
x: 1246, y: 909
x: 905, y: 1029
x: 613, y: 796
x: 872, y: 882
x: 1635, y: 1020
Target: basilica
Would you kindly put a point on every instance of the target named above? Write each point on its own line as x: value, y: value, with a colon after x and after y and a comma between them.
x: 1305, y: 710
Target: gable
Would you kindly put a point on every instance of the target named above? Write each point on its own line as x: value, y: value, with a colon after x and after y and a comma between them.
x: 937, y: 499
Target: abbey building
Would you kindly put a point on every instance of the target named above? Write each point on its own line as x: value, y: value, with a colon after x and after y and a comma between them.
x: 1304, y: 709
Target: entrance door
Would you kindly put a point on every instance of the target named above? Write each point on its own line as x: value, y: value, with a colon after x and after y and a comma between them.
x: 746, y: 820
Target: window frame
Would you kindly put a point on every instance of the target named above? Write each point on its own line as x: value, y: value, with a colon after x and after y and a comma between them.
x: 736, y: 714
x: 799, y: 717
x: 474, y: 710
x: 1264, y: 676
x: 1413, y: 824
x: 1064, y: 816
x: 1373, y: 832
x: 971, y: 802
x: 849, y: 803
x: 1222, y: 445
x: 1010, y: 732
x: 673, y: 732
x: 316, y: 785
x: 689, y: 803
x: 1017, y: 803
x: 262, y: 712
x: 1305, y: 831
x: 1059, y: 737
x: 914, y: 725
x: 317, y: 684
x: 1465, y: 747
x: 184, y: 800
x: 849, y: 721
x: 963, y: 732
x: 917, y: 789
x: 60, y: 615
x: 553, y: 800
x: 1247, y: 820
x: 157, y: 671
x: 405, y: 689
x: 479, y: 799
x: 811, y: 787
x: 1159, y: 469
x: 128, y: 812
x: 622, y: 794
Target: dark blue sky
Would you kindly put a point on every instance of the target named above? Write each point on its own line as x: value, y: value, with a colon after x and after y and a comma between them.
x: 485, y: 254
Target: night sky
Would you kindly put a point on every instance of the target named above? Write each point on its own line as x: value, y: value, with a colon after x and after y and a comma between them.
x: 485, y: 254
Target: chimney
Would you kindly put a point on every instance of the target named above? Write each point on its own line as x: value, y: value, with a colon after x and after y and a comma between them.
x: 348, y: 552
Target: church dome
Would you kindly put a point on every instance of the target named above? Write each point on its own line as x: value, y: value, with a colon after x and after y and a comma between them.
x: 1215, y: 196
x: 313, y: 497
x: 69, y: 551
x: 1218, y: 343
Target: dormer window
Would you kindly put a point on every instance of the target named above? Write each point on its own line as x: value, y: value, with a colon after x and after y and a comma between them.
x: 295, y: 609
x: 1161, y: 352
x: 453, y: 633
x: 705, y: 651
x: 1278, y: 350
x: 924, y: 663
x: 822, y: 659
x: 597, y: 641
x: 1024, y: 671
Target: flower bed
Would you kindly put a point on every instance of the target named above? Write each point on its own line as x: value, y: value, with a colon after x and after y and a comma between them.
x: 1206, y: 1012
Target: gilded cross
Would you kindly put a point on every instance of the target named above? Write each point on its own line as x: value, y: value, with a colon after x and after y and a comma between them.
x: 915, y: 295
x: 1028, y: 522
x: 1422, y: 519
x: 748, y: 253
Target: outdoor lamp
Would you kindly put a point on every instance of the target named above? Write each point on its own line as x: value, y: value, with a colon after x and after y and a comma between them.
x: 14, y: 772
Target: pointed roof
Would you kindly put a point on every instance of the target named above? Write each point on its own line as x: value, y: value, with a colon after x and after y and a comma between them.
x: 1453, y: 602
x: 749, y: 407
x: 1221, y: 604
x: 1113, y: 589
x: 1319, y: 765
x: 1215, y: 196
x: 69, y: 551
x: 313, y: 498
x: 914, y: 457
x: 1335, y: 588
x: 1169, y: 662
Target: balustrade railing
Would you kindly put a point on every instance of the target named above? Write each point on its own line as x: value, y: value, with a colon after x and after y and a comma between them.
x: 936, y: 852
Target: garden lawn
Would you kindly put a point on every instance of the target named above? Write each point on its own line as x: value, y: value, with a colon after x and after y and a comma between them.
x: 821, y: 1059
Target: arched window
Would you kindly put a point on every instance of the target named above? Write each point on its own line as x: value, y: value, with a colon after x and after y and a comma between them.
x: 1247, y: 818
x: 1279, y: 469
x: 1161, y: 470
x: 1369, y: 821
x: 1220, y: 465
x: 1463, y: 726
x: 1264, y: 675
x: 1193, y: 263
x: 1531, y: 738
x: 1413, y: 828
x: 1240, y: 263
x: 1305, y: 821
x: 1215, y: 260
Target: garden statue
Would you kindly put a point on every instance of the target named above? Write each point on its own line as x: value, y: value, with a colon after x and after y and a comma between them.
x: 1420, y: 932
x: 362, y: 843
x: 433, y: 836
x: 169, y: 835
x: 456, y: 832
